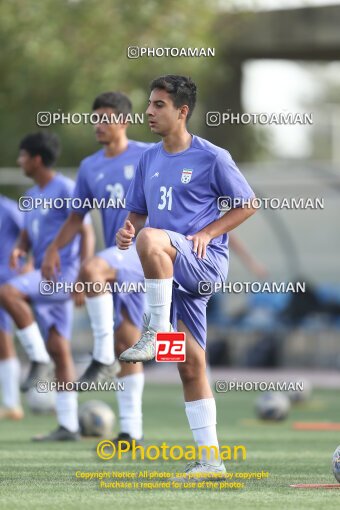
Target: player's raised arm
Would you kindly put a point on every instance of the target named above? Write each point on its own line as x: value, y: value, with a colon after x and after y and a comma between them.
x: 21, y: 250
x: 223, y: 225
x: 133, y: 224
x: 229, y: 221
x: 66, y: 234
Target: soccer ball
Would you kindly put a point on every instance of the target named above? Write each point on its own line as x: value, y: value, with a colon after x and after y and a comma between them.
x: 297, y: 396
x: 272, y: 405
x: 336, y: 463
x: 96, y: 419
x: 40, y: 403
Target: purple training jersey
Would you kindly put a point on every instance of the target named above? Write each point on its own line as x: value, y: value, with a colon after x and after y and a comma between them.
x: 108, y: 178
x: 179, y: 191
x: 43, y: 223
x: 11, y: 222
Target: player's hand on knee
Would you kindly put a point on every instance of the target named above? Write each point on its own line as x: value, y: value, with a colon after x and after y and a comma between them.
x: 51, y: 264
x: 14, y: 260
x: 200, y: 242
x: 125, y: 235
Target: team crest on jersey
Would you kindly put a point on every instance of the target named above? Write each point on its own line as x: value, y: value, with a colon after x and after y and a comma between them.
x: 128, y: 171
x: 99, y: 177
x: 186, y: 175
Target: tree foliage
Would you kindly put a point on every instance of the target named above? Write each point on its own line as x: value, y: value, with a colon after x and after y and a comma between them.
x: 59, y: 54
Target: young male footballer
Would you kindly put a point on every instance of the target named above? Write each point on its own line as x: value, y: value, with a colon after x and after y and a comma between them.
x: 11, y: 222
x: 177, y: 185
x: 116, y: 325
x: 52, y: 310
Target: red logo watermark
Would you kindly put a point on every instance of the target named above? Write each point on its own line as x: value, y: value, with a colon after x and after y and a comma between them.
x: 170, y: 347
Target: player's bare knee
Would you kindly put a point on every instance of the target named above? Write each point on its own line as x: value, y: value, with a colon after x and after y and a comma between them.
x: 89, y: 270
x: 58, y: 348
x: 188, y: 372
x: 147, y: 240
x: 8, y: 295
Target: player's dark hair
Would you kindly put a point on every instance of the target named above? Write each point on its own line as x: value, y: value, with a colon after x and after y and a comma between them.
x: 44, y: 144
x: 115, y: 100
x: 181, y: 89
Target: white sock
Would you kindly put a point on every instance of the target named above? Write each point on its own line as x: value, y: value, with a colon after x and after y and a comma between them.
x: 9, y: 381
x: 33, y: 343
x: 159, y: 296
x: 100, y: 310
x: 130, y: 404
x: 201, y: 415
x: 67, y: 410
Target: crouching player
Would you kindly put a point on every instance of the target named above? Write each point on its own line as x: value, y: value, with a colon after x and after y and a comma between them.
x: 53, y: 311
x: 177, y: 185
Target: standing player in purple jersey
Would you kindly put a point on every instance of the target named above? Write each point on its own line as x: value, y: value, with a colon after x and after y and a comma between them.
x: 11, y: 222
x: 107, y: 174
x: 53, y: 312
x: 177, y: 185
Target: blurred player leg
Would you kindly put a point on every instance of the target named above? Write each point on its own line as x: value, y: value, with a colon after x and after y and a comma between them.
x: 100, y: 308
x: 66, y: 401
x: 9, y: 378
x: 101, y: 313
x: 132, y: 375
x: 109, y: 266
x: 16, y: 304
x: 54, y: 316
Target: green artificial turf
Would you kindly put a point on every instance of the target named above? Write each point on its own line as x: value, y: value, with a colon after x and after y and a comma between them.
x: 42, y: 476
